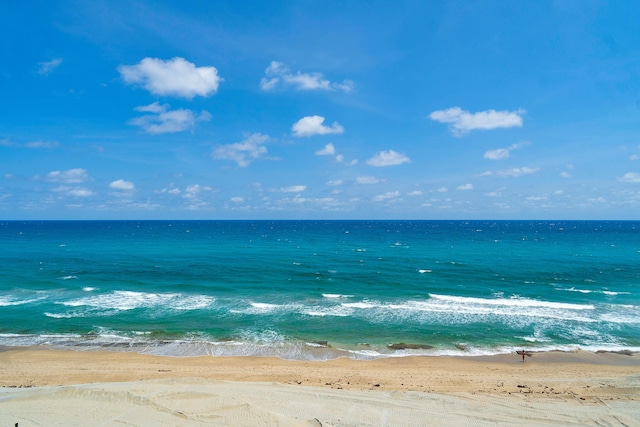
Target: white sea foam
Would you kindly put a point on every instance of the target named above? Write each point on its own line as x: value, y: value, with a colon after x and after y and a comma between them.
x: 88, y: 289
x: 612, y: 293
x: 68, y: 277
x: 336, y: 296
x: 516, y: 302
x: 6, y: 301
x: 362, y: 305
x: 424, y: 271
x: 129, y: 300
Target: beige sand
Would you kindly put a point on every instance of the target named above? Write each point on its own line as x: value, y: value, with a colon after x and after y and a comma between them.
x: 48, y: 388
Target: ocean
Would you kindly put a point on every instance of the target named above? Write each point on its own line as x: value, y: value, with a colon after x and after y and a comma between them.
x: 317, y: 290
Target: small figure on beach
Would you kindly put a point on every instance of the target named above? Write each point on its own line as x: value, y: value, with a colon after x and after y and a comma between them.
x: 523, y: 353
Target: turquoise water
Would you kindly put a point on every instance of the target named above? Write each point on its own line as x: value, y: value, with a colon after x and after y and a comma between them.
x: 321, y: 289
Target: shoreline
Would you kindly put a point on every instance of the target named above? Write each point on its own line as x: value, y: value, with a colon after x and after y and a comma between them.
x: 40, y: 386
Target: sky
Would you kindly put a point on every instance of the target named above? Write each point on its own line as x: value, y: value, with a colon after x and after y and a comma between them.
x: 320, y: 110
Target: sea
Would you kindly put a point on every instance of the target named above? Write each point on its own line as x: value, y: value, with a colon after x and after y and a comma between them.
x: 318, y: 290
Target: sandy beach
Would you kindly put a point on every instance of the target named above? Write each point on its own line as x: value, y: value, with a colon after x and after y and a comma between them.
x: 61, y: 387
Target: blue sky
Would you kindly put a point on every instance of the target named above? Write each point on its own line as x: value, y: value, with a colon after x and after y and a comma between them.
x: 320, y: 110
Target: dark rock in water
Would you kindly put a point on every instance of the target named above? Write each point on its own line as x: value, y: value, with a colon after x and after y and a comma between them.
x: 404, y: 346
x: 461, y: 347
x: 322, y: 343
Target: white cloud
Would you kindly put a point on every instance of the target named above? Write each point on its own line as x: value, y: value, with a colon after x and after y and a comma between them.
x: 367, y: 180
x: 41, y: 144
x: 442, y: 190
x: 162, y: 120
x: 237, y: 199
x: 634, y: 157
x: 312, y: 125
x: 517, y: 171
x: 328, y: 150
x: 335, y: 182
x: 293, y: 189
x: 388, y: 158
x: 45, y: 68
x: 174, y: 77
x: 71, y: 176
x: 465, y: 187
x: 500, y: 153
x: 73, y: 191
x: 386, y: 196
x: 192, y: 191
x: 630, y: 177
x: 278, y: 73
x: 513, y: 172
x: 503, y: 153
x: 565, y: 174
x: 122, y: 185
x: 243, y: 152
x: 415, y: 193
x: 462, y: 121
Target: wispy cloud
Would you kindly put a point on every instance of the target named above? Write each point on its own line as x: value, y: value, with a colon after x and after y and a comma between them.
x: 44, y: 68
x: 630, y: 177
x: 243, y: 152
x: 313, y: 125
x: 163, y: 120
x: 367, y: 180
x: 503, y: 153
x: 293, y: 189
x: 464, y: 187
x: 386, y: 196
x: 73, y: 191
x: 278, y: 73
x: 513, y: 172
x: 388, y: 158
x: 174, y: 77
x: 70, y: 176
x: 461, y: 121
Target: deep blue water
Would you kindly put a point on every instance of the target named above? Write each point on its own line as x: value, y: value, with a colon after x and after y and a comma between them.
x: 321, y: 289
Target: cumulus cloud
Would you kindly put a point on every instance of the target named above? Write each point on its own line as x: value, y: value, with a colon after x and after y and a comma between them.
x: 328, y: 150
x: 71, y: 176
x: 461, y: 121
x: 313, y: 125
x: 174, y: 77
x: 465, y: 187
x: 503, y: 153
x: 388, y: 158
x: 243, y: 152
x: 367, y: 180
x: 44, y: 68
x: 122, y: 185
x: 163, y: 120
x: 335, y: 182
x: 278, y: 73
x: 630, y: 177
